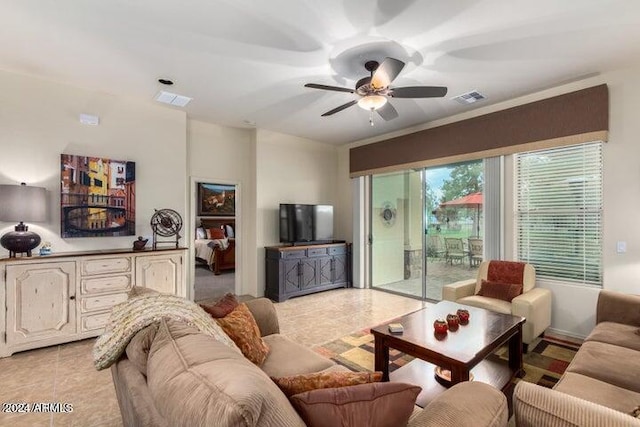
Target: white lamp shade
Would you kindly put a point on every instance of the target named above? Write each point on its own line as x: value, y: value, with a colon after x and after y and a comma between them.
x: 372, y: 102
x: 23, y: 203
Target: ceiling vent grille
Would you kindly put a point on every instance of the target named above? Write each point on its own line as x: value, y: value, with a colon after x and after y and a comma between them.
x: 172, y: 99
x: 469, y: 97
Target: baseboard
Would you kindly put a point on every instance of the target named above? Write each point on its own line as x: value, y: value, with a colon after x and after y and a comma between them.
x: 561, y: 333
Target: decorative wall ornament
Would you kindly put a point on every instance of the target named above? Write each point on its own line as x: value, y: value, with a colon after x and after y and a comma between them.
x: 388, y: 214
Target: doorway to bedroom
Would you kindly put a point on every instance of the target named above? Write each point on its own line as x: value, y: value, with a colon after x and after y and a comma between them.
x: 215, y: 239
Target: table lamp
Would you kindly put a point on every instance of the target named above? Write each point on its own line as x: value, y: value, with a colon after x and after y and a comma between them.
x: 22, y: 203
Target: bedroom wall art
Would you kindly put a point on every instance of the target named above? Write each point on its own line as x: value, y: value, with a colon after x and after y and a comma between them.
x: 216, y: 200
x: 97, y: 197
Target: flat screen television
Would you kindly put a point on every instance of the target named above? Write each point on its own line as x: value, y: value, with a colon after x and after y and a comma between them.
x: 306, y: 223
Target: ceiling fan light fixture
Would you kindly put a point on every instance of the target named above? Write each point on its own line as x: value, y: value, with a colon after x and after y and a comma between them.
x: 372, y: 102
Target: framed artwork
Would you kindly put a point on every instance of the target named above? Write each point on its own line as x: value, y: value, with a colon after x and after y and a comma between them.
x: 216, y: 199
x: 97, y: 197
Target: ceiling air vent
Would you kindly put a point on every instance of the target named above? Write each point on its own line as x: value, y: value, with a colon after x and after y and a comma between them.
x: 172, y: 98
x: 469, y: 97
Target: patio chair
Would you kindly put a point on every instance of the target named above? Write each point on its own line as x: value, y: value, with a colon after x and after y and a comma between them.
x: 454, y: 250
x: 475, y: 251
x: 435, y: 246
x: 506, y: 287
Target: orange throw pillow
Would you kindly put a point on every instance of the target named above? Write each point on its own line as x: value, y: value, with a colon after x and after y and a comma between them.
x: 306, y: 382
x: 243, y: 330
x: 505, y: 292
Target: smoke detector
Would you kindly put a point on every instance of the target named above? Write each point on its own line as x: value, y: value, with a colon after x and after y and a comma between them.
x: 469, y: 97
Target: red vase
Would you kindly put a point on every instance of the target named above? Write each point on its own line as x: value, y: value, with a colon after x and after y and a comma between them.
x: 463, y: 315
x: 440, y: 326
x: 453, y: 321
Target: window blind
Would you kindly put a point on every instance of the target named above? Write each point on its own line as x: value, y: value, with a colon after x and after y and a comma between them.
x: 559, y: 212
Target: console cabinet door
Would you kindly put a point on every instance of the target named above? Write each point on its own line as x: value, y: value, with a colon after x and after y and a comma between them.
x: 290, y: 275
x: 41, y: 301
x: 340, y: 269
x: 162, y: 273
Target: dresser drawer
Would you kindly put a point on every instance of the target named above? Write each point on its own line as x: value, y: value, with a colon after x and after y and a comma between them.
x: 91, y: 267
x: 316, y: 251
x: 97, y: 285
x: 102, y: 302
x: 293, y: 254
x: 337, y: 250
x: 93, y: 322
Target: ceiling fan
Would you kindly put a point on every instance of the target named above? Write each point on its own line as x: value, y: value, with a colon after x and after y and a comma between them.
x: 374, y: 91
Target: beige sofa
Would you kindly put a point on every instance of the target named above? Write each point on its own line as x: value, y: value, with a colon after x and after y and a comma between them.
x: 534, y: 304
x: 187, y: 378
x: 601, y: 386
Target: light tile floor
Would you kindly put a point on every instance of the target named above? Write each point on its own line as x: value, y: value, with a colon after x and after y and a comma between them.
x: 65, y: 373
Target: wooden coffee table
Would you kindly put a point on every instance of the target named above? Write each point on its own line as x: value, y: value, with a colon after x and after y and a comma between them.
x: 463, y: 352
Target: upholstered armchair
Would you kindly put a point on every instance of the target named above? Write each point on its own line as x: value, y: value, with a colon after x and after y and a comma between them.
x: 506, y: 287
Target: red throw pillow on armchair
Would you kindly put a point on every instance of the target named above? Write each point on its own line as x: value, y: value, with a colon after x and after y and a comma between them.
x: 503, y: 291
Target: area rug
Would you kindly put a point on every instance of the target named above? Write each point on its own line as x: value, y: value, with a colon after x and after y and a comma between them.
x: 544, y: 364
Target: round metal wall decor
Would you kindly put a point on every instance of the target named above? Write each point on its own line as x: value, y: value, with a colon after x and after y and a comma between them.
x: 388, y: 214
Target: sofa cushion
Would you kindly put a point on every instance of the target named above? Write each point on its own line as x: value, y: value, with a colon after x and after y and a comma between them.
x: 616, y: 334
x: 534, y: 406
x: 612, y: 364
x: 196, y: 380
x: 388, y: 404
x: 597, y: 391
x: 296, y: 384
x: 492, y: 304
x: 288, y: 358
x: 503, y: 291
x: 243, y: 330
x: 138, y: 348
x: 222, y: 307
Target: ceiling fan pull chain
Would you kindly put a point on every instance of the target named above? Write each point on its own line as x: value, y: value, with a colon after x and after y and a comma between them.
x: 371, y: 116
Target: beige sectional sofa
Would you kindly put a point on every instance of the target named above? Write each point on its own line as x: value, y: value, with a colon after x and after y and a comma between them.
x: 601, y: 386
x: 172, y: 375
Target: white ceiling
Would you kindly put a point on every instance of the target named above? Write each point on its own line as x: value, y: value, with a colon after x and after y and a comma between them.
x: 247, y: 60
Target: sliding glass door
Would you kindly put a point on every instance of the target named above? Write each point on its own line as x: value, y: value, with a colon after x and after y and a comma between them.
x: 426, y: 228
x: 397, y: 233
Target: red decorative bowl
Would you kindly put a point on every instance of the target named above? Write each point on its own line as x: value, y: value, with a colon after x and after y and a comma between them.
x: 463, y: 315
x: 440, y: 326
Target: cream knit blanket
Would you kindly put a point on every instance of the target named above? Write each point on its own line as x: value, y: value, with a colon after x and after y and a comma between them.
x: 129, y: 317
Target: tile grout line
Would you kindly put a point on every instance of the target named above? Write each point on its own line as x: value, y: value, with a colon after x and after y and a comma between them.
x: 55, y: 382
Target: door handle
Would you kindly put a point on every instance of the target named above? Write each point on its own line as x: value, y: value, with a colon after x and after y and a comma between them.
x: 72, y: 297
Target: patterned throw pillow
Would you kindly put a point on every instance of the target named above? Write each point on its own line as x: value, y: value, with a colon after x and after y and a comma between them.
x: 386, y: 404
x: 243, y: 330
x: 222, y: 307
x: 201, y: 233
x: 306, y: 382
x: 502, y: 291
x: 635, y: 412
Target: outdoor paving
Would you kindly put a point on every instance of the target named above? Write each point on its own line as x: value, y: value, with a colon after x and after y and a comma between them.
x: 439, y: 273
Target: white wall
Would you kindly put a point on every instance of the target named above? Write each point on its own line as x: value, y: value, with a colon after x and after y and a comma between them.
x: 574, y: 306
x: 39, y: 120
x: 220, y: 154
x: 289, y: 169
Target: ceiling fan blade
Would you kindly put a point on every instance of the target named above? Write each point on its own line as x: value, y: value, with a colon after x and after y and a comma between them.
x: 387, y: 112
x: 325, y: 87
x: 386, y: 72
x: 418, y: 92
x: 340, y: 108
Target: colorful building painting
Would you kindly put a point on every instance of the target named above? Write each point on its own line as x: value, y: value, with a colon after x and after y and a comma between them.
x: 97, y: 197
